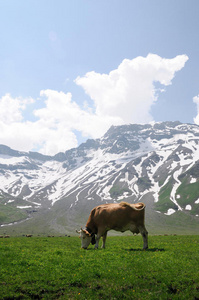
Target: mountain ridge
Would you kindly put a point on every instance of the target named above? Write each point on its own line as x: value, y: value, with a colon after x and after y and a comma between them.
x: 154, y: 163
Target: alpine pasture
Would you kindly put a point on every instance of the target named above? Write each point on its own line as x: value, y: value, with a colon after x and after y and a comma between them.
x: 57, y: 268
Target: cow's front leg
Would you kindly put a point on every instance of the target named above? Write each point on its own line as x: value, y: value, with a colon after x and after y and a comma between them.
x: 97, y: 240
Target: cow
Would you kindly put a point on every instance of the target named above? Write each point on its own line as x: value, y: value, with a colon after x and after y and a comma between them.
x: 117, y: 216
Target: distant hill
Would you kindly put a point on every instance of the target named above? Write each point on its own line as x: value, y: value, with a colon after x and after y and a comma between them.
x: 157, y: 164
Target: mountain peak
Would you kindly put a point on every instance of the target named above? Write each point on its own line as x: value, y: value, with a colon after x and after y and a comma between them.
x: 153, y: 163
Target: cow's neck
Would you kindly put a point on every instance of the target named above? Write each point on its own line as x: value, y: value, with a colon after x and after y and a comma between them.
x: 91, y: 228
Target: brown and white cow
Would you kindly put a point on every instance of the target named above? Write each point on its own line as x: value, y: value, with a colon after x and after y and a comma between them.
x: 117, y: 216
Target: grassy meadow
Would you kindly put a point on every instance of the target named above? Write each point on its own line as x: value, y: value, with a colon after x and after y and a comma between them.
x: 57, y: 268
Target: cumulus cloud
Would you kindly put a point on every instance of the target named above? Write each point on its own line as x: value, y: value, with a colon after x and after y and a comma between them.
x: 125, y: 95
x: 11, y: 108
x: 53, y: 130
x: 128, y: 92
x: 63, y: 115
x: 196, y: 101
x: 49, y: 134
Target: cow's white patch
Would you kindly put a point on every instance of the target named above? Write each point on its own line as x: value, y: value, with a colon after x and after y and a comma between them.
x: 85, y: 239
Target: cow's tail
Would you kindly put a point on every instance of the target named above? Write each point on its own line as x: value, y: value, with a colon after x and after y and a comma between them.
x: 138, y: 206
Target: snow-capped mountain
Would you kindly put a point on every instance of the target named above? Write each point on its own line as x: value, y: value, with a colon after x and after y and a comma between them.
x: 154, y: 163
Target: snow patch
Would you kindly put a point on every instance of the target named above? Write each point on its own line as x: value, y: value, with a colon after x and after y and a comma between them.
x: 170, y: 211
x: 175, y: 187
x: 10, y: 201
x: 193, y: 180
x: 188, y: 207
x: 23, y: 207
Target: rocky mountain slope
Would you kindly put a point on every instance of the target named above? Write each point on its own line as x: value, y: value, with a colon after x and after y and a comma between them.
x: 157, y: 164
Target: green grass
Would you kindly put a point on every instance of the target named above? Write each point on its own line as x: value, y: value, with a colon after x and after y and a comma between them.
x: 56, y: 268
x: 10, y: 214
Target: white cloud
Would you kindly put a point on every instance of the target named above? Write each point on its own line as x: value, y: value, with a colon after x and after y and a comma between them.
x: 52, y: 131
x: 196, y: 100
x: 125, y: 95
x: 61, y: 114
x: 11, y: 108
x: 129, y: 92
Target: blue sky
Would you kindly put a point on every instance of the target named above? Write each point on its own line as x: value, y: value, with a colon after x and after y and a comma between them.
x: 71, y: 69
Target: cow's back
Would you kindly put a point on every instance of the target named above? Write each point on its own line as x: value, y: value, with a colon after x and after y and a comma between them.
x: 117, y: 216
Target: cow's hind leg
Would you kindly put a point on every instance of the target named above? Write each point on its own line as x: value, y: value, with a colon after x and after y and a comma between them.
x: 144, y: 234
x: 104, y: 239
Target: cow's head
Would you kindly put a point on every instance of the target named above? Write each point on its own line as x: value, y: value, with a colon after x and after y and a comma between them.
x: 86, y: 238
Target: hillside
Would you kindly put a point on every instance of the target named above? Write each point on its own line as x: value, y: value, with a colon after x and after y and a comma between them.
x: 157, y: 164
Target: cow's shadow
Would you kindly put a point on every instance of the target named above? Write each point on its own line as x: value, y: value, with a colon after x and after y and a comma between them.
x: 147, y: 250
x: 132, y: 249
